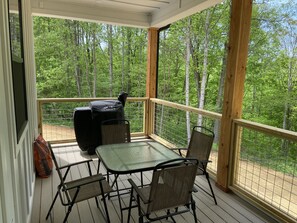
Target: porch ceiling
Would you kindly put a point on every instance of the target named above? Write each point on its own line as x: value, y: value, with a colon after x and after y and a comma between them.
x: 136, y: 13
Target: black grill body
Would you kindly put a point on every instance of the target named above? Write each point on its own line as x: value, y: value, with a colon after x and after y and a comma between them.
x: 87, y: 121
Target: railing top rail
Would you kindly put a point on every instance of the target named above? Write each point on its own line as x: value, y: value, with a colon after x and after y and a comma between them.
x: 48, y: 100
x: 278, y: 132
x: 187, y: 108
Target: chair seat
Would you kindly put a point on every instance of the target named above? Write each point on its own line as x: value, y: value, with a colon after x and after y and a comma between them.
x: 87, y: 190
x: 145, y: 191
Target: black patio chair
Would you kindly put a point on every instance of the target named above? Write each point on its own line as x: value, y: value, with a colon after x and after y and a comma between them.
x: 170, y: 190
x: 200, y: 147
x: 74, y: 191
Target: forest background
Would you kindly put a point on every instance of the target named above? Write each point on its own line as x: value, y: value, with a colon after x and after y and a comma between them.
x: 84, y: 59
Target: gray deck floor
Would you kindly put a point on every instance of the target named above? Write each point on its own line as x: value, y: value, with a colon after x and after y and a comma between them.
x: 230, y: 208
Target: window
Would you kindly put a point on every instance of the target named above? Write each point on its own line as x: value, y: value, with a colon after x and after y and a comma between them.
x: 18, y: 71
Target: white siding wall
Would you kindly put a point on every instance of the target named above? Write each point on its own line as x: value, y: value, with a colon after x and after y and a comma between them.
x: 17, y: 176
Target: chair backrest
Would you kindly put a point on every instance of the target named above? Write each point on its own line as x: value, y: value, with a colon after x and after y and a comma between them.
x: 200, y: 144
x: 172, y: 184
x: 115, y: 131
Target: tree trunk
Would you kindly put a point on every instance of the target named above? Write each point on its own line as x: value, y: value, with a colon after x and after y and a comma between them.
x: 205, y: 63
x: 123, y: 59
x: 129, y: 38
x: 94, y: 63
x: 187, y: 81
x: 76, y: 58
x: 165, y: 81
x: 220, y: 94
x: 88, y: 59
x: 110, y: 48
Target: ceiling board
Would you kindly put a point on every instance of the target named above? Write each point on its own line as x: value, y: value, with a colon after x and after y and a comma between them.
x: 136, y: 13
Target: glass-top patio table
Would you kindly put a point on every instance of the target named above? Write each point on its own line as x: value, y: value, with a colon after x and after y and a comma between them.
x: 133, y: 157
x: 126, y: 158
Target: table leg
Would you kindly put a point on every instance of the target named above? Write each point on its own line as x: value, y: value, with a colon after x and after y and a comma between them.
x: 119, y: 197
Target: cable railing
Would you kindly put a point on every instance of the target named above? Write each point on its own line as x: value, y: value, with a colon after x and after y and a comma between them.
x: 55, y: 121
x: 265, y: 168
x: 170, y: 124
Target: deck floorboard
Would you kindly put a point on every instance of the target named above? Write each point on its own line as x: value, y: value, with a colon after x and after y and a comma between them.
x: 229, y: 209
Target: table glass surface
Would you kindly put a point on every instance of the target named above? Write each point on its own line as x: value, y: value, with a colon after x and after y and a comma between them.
x: 134, y: 156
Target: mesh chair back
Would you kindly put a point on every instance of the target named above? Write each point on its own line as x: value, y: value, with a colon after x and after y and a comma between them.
x: 115, y: 131
x: 172, y: 185
x: 200, y: 144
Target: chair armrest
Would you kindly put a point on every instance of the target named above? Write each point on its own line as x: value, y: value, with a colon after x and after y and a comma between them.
x: 74, y: 164
x: 179, y: 150
x: 203, y: 164
x: 204, y: 161
x: 84, y: 181
x: 138, y: 191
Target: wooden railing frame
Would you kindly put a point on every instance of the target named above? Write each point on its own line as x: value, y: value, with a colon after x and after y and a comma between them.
x: 237, y: 125
x: 237, y: 128
x: 203, y: 112
x: 274, y: 131
x: 42, y: 101
x: 154, y: 101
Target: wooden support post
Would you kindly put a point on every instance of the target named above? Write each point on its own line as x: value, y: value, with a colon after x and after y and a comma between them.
x: 240, y: 23
x: 151, y: 74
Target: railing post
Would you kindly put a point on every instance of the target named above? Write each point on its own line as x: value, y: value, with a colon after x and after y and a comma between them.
x: 39, y: 107
x: 235, y: 151
x: 145, y: 116
x: 151, y: 120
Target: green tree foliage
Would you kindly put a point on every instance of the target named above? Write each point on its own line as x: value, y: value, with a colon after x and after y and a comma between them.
x: 73, y: 59
x: 270, y: 86
x: 271, y: 71
x: 172, y: 56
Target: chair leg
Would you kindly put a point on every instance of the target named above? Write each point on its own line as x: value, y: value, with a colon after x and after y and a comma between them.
x: 97, y: 203
x: 140, y: 216
x: 52, y: 205
x: 89, y: 168
x: 106, y: 209
x: 141, y: 179
x: 98, y: 167
x: 168, y: 213
x: 172, y: 218
x: 213, y: 195
x: 130, y: 206
x: 68, y: 212
x: 193, y: 205
x: 104, y: 202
